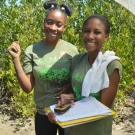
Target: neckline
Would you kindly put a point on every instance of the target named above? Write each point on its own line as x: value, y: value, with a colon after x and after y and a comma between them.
x: 52, y: 46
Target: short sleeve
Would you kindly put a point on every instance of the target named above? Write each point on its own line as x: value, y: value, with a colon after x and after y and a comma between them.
x: 27, y: 61
x: 114, y: 65
x: 76, y: 51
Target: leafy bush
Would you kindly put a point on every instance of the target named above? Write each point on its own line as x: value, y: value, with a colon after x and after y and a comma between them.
x: 24, y: 23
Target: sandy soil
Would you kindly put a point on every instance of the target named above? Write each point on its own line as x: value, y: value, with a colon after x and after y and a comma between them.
x: 126, y: 125
x: 10, y: 126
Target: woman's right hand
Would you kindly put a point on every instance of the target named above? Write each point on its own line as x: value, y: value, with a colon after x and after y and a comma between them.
x: 65, y: 99
x: 14, y: 50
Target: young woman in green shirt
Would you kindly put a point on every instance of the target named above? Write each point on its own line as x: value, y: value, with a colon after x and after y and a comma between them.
x: 95, y: 32
x: 46, y: 65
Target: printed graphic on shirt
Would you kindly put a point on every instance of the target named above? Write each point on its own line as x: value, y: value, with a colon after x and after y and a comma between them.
x: 63, y: 53
x: 54, y: 75
x: 52, y: 59
x: 78, y: 77
x: 50, y: 73
x: 77, y: 89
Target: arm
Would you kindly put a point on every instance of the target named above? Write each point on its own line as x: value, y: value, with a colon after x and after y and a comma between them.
x: 26, y: 81
x: 108, y: 94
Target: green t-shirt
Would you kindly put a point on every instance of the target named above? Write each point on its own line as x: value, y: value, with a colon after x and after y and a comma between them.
x: 80, y: 66
x: 51, y: 66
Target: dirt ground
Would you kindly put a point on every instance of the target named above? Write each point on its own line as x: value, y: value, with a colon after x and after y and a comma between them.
x: 10, y: 126
x: 126, y: 126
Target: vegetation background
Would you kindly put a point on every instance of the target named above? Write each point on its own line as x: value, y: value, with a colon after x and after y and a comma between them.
x: 23, y: 22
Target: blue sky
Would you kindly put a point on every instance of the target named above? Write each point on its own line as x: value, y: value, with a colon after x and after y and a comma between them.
x: 17, y: 1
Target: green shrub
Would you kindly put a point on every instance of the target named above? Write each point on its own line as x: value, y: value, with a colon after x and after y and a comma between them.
x: 24, y: 23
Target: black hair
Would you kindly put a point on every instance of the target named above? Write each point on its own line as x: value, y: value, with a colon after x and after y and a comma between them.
x: 102, y: 18
x: 53, y: 5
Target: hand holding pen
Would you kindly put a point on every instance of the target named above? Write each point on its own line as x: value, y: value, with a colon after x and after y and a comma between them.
x: 65, y: 99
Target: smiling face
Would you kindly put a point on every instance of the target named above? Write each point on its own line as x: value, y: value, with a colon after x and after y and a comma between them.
x: 94, y: 35
x: 54, y: 26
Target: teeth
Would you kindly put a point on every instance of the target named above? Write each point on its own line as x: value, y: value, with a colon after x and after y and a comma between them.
x: 51, y: 33
x: 89, y: 43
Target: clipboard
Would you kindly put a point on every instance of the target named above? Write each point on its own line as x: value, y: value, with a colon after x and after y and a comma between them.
x: 82, y: 120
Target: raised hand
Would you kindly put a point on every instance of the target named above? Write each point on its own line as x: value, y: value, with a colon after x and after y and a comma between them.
x: 14, y: 50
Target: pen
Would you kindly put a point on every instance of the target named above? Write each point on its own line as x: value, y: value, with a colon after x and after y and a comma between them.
x: 72, y: 98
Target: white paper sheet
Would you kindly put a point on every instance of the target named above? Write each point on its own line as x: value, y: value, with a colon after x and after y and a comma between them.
x: 86, y: 107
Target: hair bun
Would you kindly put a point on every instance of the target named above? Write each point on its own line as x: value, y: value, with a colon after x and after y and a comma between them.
x: 65, y: 7
x: 50, y: 4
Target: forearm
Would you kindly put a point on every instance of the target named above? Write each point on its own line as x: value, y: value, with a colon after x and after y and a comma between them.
x: 23, y: 79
